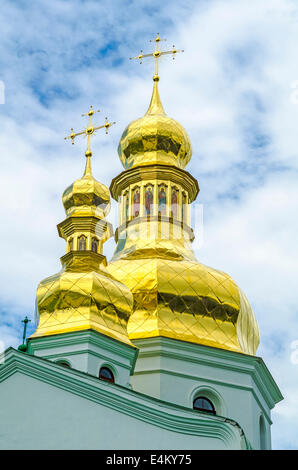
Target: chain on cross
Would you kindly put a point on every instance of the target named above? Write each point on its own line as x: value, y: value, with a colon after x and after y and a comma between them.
x: 157, y: 54
x: 90, y: 130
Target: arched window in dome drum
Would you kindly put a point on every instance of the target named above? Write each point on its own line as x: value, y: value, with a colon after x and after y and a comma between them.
x: 174, y: 203
x: 162, y: 200
x: 136, y: 202
x: 126, y: 205
x: 82, y: 243
x: 70, y: 244
x: 203, y: 404
x: 184, y: 207
x: 149, y: 200
x: 94, y: 245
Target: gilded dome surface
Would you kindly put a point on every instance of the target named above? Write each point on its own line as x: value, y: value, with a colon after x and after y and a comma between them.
x: 86, y: 196
x: 188, y: 301
x: 81, y: 298
x: 154, y: 138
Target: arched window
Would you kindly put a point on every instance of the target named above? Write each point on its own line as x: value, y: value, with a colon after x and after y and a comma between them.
x: 106, y: 374
x: 148, y: 200
x: 174, y: 202
x: 162, y: 200
x: 94, y: 245
x: 203, y: 404
x: 63, y: 364
x: 82, y: 243
x: 126, y: 205
x: 136, y: 202
x: 184, y: 207
x: 70, y: 244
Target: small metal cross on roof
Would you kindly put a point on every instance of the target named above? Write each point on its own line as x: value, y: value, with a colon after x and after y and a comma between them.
x: 157, y: 54
x: 90, y: 130
x: 25, y: 321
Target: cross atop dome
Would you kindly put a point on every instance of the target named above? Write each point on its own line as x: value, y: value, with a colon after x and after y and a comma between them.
x: 155, y: 138
x: 156, y: 54
x: 88, y: 132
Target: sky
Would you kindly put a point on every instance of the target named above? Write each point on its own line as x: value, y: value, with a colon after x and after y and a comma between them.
x: 234, y: 89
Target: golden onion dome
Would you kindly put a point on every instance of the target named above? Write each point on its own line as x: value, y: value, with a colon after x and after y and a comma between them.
x: 86, y: 196
x: 83, y: 296
x: 175, y: 296
x: 186, y: 300
x: 154, y: 138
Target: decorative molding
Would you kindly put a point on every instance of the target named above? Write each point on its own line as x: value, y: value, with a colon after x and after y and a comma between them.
x: 155, y: 172
x: 88, y: 259
x: 91, y: 224
x: 80, y: 338
x: 103, y: 357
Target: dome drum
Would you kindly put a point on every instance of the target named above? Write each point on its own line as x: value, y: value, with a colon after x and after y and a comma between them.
x: 157, y: 226
x: 153, y: 173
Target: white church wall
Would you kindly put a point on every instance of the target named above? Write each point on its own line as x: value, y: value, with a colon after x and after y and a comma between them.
x: 38, y: 415
x: 178, y: 372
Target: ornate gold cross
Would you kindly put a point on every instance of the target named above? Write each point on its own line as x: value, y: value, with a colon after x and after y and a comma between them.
x: 90, y: 130
x: 157, y: 54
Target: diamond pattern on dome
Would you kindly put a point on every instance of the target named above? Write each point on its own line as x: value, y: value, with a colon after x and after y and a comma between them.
x: 185, y: 300
x: 86, y: 192
x: 154, y: 139
x: 72, y: 300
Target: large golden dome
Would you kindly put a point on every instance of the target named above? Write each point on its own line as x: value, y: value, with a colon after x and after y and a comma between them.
x: 154, y: 138
x: 175, y: 295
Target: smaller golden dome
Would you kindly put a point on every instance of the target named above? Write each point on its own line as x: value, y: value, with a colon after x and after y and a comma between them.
x: 86, y: 196
x: 154, y: 138
x: 82, y: 296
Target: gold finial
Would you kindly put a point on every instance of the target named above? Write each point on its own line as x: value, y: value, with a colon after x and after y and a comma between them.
x: 155, y: 106
x: 157, y: 54
x: 89, y: 131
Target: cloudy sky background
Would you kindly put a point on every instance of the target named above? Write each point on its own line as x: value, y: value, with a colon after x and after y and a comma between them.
x: 235, y: 90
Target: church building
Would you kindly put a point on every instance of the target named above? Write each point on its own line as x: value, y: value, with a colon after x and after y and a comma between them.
x: 152, y: 350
